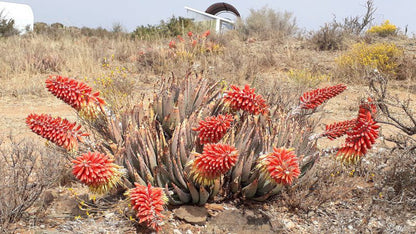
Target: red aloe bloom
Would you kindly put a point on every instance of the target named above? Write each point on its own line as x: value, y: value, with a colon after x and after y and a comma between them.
x: 74, y: 93
x: 368, y: 106
x: 215, y: 160
x: 206, y: 33
x: 97, y: 171
x: 212, y: 129
x: 59, y: 131
x: 246, y: 100
x: 172, y: 44
x: 194, y: 42
x: 314, y: 98
x: 180, y: 38
x: 190, y: 34
x: 338, y: 129
x: 280, y: 166
x: 359, y: 139
x: 148, y: 202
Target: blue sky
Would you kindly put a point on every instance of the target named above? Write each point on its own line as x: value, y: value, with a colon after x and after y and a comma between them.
x: 310, y: 14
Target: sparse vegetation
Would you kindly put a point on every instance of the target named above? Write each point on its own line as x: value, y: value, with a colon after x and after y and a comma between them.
x: 27, y: 170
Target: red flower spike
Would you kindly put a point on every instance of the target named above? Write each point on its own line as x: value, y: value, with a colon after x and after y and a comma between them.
x: 206, y: 34
x: 172, y: 44
x: 76, y: 94
x: 360, y: 139
x: 148, y: 202
x: 97, y: 171
x: 212, y: 129
x: 338, y: 129
x: 215, y: 160
x: 280, y: 166
x: 180, y: 38
x: 246, y: 100
x: 190, y: 34
x: 314, y: 98
x: 368, y: 106
x: 60, y: 131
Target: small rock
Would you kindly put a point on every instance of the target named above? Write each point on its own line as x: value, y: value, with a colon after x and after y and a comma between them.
x: 249, y: 213
x: 192, y: 214
x: 176, y: 231
x: 42, y: 226
x: 350, y: 227
x: 48, y: 198
x: 218, y: 207
x: 290, y: 225
x: 189, y: 232
x: 109, y: 215
x: 411, y: 222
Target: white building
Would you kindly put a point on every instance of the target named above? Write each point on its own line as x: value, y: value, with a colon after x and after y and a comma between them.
x: 22, y: 15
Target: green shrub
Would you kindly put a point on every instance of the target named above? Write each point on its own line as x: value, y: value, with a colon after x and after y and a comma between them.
x: 7, y: 26
x: 173, y: 27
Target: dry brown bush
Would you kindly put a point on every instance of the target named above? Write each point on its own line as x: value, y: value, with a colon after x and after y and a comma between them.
x: 329, y: 37
x: 26, y: 170
x: 267, y: 23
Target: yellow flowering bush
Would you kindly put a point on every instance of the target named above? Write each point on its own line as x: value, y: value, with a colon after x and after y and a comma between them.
x: 384, y: 30
x: 114, y: 83
x: 363, y: 57
x: 305, y: 77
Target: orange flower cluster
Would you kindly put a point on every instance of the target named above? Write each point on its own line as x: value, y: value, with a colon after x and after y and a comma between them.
x: 314, y: 98
x: 246, y: 100
x: 215, y: 160
x: 280, y: 166
x: 213, y: 128
x: 75, y: 93
x: 59, y: 131
x: 97, y: 171
x: 148, y: 202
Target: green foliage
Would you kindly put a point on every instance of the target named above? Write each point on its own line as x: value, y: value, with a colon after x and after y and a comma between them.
x: 173, y: 27
x: 7, y: 26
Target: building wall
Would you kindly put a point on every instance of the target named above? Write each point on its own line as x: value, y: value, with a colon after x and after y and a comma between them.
x: 21, y: 13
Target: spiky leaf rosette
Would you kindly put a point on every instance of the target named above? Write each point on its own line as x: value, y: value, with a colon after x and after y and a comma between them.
x: 280, y: 166
x: 247, y: 100
x: 148, y: 201
x: 338, y: 129
x: 76, y: 94
x: 97, y: 171
x: 314, y: 98
x: 213, y: 128
x: 215, y: 160
x: 60, y: 131
x: 360, y: 139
